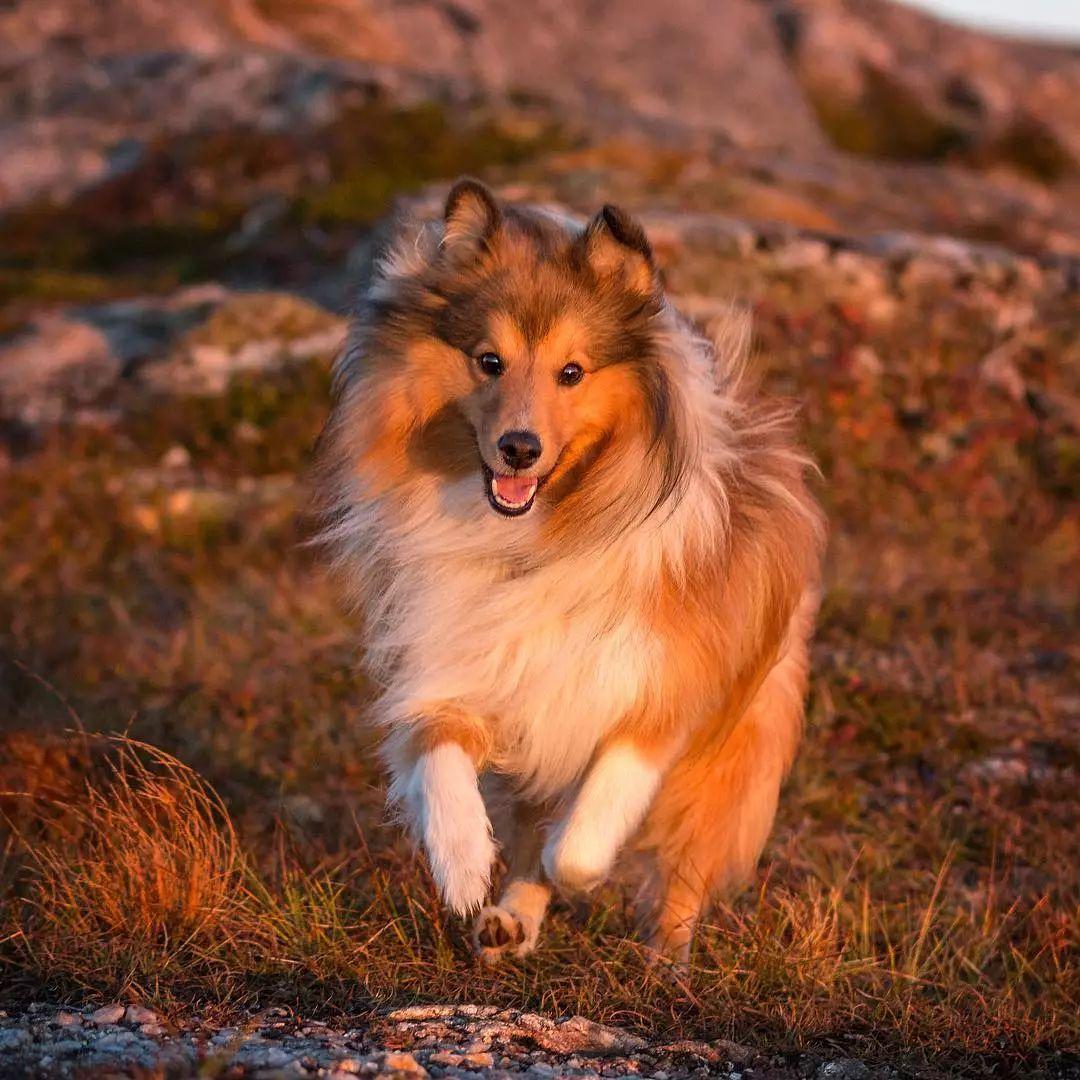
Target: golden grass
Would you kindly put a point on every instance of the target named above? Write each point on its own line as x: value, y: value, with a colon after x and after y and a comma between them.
x: 142, y: 873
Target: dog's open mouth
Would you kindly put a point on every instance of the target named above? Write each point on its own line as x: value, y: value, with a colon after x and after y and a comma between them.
x: 510, y: 495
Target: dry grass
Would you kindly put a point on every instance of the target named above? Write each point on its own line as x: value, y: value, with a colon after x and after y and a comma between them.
x: 142, y: 869
x: 140, y: 888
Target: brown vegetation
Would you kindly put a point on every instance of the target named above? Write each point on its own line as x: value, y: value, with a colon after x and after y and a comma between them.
x: 920, y: 895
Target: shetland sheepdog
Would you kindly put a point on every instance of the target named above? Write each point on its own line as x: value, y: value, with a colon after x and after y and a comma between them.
x: 586, y: 560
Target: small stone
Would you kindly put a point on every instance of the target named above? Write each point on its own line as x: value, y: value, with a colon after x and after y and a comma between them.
x: 347, y: 1065
x: 842, y: 1069
x: 67, y: 1019
x: 478, y: 1059
x: 402, y: 1061
x: 447, y: 1058
x: 107, y: 1014
x: 13, y: 1038
x: 117, y: 1042
x: 69, y: 1046
x: 139, y: 1014
x: 176, y: 457
x: 152, y: 1030
x: 801, y: 255
x: 866, y: 365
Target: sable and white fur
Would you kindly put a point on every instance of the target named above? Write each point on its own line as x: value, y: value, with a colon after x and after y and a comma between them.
x: 622, y: 667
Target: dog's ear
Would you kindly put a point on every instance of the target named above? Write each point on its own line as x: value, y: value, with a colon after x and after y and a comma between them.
x: 471, y: 218
x: 614, y: 245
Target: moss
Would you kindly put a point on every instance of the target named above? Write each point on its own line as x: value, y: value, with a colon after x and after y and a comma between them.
x: 890, y: 120
x: 382, y: 153
x: 260, y: 316
x: 49, y: 286
x: 1030, y: 146
x: 174, y: 212
x: 262, y: 424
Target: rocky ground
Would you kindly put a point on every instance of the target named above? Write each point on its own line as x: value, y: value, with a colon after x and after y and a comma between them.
x: 414, y: 1042
x: 81, y: 363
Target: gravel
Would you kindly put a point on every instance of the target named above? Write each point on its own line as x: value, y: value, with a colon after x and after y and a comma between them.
x: 454, y: 1041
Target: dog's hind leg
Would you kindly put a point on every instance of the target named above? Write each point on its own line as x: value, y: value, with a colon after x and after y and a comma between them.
x: 714, y: 812
x: 511, y: 927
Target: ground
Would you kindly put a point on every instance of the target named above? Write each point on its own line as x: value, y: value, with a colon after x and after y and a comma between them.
x: 193, y: 819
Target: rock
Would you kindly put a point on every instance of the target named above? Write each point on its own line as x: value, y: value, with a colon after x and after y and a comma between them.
x: 880, y: 89
x: 61, y: 365
x: 107, y: 1014
x: 402, y: 1061
x: 842, y: 1069
x: 116, y: 1042
x: 55, y: 365
x: 67, y: 1019
x: 441, y: 1012
x: 250, y: 332
x: 801, y: 255
x: 69, y: 365
x: 13, y: 1038
x: 601, y: 1037
x: 479, y: 1059
x: 263, y: 1057
x: 139, y: 1014
x: 453, y: 1040
x: 176, y: 457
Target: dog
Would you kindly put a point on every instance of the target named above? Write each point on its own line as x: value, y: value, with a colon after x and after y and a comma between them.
x: 586, y: 558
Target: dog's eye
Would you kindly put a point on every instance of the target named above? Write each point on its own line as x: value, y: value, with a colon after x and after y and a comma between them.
x: 571, y: 375
x: 490, y: 364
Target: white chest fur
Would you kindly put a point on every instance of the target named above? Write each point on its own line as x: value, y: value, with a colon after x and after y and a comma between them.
x: 554, y: 659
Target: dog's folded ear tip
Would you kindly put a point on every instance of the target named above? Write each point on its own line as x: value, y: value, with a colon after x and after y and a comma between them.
x: 614, y: 243
x: 626, y: 229
x: 467, y: 189
x: 471, y: 213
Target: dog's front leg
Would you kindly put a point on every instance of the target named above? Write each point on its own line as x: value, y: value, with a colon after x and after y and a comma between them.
x: 610, y: 805
x: 437, y: 784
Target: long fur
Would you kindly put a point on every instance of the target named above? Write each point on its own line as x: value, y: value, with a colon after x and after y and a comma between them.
x: 655, y: 603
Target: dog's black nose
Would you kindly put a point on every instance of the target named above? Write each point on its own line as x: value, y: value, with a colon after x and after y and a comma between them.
x: 519, y: 448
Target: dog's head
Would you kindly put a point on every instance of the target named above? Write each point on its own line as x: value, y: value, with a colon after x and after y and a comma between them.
x: 525, y: 351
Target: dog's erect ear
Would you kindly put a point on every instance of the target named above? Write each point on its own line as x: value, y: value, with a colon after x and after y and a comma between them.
x: 471, y: 218
x: 615, y: 245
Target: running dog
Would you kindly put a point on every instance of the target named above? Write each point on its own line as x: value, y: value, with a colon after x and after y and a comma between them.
x: 586, y: 560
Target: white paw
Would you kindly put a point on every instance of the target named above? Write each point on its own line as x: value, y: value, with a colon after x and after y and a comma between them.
x: 616, y: 794
x: 577, y: 858
x: 450, y: 818
x: 500, y: 932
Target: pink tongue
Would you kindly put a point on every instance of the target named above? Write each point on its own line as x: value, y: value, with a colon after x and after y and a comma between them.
x: 514, y: 489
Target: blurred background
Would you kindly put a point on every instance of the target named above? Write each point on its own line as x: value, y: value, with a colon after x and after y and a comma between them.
x: 188, y: 196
